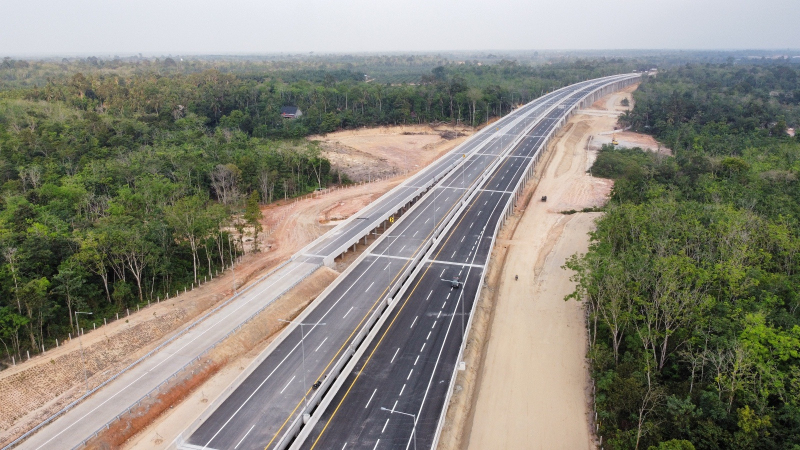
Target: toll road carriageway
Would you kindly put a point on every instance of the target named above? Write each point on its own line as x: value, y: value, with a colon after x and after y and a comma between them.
x: 395, y: 394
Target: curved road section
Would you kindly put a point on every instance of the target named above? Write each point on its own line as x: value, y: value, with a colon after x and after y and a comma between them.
x: 274, y: 392
x: 82, y: 420
x: 396, y: 394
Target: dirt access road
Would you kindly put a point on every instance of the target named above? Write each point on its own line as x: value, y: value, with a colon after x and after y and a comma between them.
x: 33, y: 390
x: 527, y: 383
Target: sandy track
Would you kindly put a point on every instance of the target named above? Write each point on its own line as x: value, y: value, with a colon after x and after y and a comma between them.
x: 532, y: 392
x: 526, y: 383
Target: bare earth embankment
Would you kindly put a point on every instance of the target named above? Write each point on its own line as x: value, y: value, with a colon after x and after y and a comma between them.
x: 527, y: 383
x: 382, y: 152
x: 35, y: 389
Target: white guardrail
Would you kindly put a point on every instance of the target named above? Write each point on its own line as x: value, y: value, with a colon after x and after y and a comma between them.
x: 304, y: 423
x: 145, y: 356
x: 332, y: 374
x: 328, y: 261
x: 328, y: 234
x: 443, y: 172
x: 205, y: 352
x: 509, y: 209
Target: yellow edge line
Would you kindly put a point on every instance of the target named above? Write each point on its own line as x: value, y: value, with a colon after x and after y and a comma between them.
x: 362, y: 321
x: 392, y: 322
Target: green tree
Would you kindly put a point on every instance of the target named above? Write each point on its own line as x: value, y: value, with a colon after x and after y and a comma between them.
x: 67, y: 283
x: 253, y: 217
x: 35, y: 303
x: 10, y: 324
x: 189, y: 217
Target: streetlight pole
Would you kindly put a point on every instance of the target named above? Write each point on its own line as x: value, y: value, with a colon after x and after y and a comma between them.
x: 463, y: 168
x: 80, y: 342
x: 433, y: 228
x: 303, y: 348
x: 413, y: 430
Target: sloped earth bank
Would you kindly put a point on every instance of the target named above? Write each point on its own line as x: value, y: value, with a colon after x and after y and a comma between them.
x: 32, y: 391
x: 164, y: 417
x: 527, y: 385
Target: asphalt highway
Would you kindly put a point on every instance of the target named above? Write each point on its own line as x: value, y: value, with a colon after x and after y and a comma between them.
x: 256, y: 413
x: 355, y: 295
x: 395, y: 395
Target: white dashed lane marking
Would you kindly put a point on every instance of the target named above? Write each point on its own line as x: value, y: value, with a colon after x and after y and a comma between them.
x: 320, y: 344
x: 287, y: 384
x: 370, y: 397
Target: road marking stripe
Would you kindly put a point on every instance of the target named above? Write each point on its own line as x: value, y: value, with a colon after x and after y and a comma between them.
x: 415, y: 362
x: 384, y: 427
x: 333, y: 414
x: 287, y: 384
x: 370, y: 397
x: 415, y: 321
x: 245, y: 435
x: 320, y: 344
x: 395, y: 355
x: 455, y: 263
x: 404, y: 386
x: 370, y: 286
x: 348, y: 312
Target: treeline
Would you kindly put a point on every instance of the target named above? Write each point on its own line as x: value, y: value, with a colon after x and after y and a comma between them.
x: 121, y: 181
x: 103, y: 209
x: 722, y: 108
x: 251, y: 100
x: 693, y: 276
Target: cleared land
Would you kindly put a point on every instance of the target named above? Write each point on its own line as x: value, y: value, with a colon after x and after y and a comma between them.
x: 527, y: 383
x: 369, y: 153
x: 35, y: 389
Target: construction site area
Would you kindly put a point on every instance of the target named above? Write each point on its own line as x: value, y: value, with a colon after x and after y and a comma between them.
x: 526, y: 382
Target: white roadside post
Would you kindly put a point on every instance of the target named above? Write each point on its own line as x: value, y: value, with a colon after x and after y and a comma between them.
x: 80, y: 341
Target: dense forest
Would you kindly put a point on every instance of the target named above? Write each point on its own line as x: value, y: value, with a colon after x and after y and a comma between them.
x: 250, y: 100
x: 123, y: 180
x: 693, y: 273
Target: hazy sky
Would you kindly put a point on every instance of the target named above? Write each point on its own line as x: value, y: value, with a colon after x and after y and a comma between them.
x: 106, y: 27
